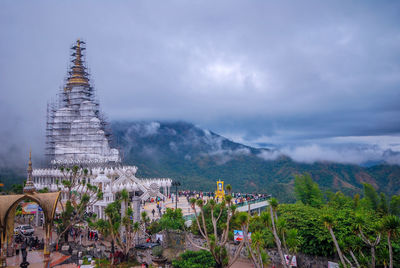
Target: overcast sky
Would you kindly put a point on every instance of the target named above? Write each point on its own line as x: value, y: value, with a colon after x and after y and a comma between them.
x: 318, y: 79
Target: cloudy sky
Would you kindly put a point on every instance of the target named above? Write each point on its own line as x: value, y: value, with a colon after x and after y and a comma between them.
x: 318, y: 79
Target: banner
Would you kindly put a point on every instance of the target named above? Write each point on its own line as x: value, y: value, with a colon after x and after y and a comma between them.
x: 238, y: 235
x: 333, y: 264
x: 294, y: 261
x: 29, y: 208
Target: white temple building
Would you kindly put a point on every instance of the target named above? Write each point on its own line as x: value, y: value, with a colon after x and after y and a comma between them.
x: 77, y: 135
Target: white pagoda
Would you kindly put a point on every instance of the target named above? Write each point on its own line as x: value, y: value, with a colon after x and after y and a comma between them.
x: 78, y: 135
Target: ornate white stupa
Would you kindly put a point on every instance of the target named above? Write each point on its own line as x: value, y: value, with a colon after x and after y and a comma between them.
x: 78, y: 135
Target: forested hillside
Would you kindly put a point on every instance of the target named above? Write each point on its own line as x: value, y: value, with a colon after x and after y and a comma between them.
x: 198, y: 158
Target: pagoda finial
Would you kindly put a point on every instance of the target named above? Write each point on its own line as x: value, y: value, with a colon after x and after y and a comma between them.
x: 77, y: 74
x: 30, y: 160
x: 78, y: 53
x: 29, y: 186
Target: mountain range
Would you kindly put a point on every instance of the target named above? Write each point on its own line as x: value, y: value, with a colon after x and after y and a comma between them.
x: 198, y: 158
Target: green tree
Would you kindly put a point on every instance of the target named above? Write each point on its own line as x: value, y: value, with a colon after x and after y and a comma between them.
x: 383, y: 207
x: 216, y: 241
x: 112, y: 212
x: 356, y: 201
x: 292, y: 242
x: 372, y: 243
x: 80, y: 196
x: 119, y: 225
x: 194, y: 259
x: 273, y: 207
x: 340, y: 201
x: 371, y: 196
x: 17, y: 188
x: 391, y: 226
x: 172, y: 220
x: 328, y: 222
x: 395, y: 205
x: 256, y: 245
x: 307, y: 191
x: 44, y: 190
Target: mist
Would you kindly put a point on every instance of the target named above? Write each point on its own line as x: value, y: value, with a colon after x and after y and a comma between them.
x: 308, y: 78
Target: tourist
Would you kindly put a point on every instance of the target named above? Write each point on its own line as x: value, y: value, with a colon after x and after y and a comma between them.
x: 23, y: 251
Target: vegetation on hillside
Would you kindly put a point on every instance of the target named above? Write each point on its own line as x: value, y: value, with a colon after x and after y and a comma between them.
x: 182, y: 151
x: 357, y: 231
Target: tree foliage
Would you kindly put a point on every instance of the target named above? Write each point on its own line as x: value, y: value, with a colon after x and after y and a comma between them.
x: 354, y: 226
x: 307, y: 191
x: 172, y: 219
x: 119, y: 224
x: 216, y: 240
x: 371, y: 197
x: 80, y: 196
x: 194, y: 259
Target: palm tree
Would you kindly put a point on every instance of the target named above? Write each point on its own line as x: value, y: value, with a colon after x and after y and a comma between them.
x: 293, y: 243
x: 359, y: 223
x: 144, y: 219
x: 273, y: 206
x: 228, y: 189
x: 215, y: 240
x: 281, y: 227
x: 328, y: 222
x: 103, y: 227
x: 255, y: 245
x: 131, y: 229
x: 391, y: 226
x: 114, y: 222
x: 124, y: 203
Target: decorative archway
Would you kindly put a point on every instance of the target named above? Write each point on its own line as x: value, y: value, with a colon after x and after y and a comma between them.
x: 8, y: 204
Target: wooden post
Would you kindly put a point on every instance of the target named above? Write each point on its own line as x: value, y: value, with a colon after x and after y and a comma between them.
x: 46, y: 251
x: 3, y: 256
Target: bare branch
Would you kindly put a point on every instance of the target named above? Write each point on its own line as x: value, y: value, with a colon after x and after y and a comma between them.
x: 237, y: 253
x: 194, y: 244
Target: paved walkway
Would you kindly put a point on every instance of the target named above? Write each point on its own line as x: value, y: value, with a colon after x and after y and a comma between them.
x: 35, y: 259
x: 182, y: 204
x: 243, y: 263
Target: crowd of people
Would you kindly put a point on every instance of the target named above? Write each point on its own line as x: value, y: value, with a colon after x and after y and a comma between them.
x: 92, y: 235
x: 26, y: 242
x: 238, y: 197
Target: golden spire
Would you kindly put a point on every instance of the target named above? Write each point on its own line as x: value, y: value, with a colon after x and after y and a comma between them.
x: 30, y: 161
x: 77, y: 75
x: 29, y: 186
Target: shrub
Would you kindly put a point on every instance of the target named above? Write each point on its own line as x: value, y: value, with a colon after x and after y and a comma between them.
x: 157, y: 251
x: 194, y: 259
x: 172, y: 220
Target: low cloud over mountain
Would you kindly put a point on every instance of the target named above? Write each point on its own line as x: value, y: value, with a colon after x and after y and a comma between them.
x: 190, y: 141
x: 198, y: 157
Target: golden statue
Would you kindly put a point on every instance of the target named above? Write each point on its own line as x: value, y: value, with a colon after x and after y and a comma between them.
x: 220, y: 193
